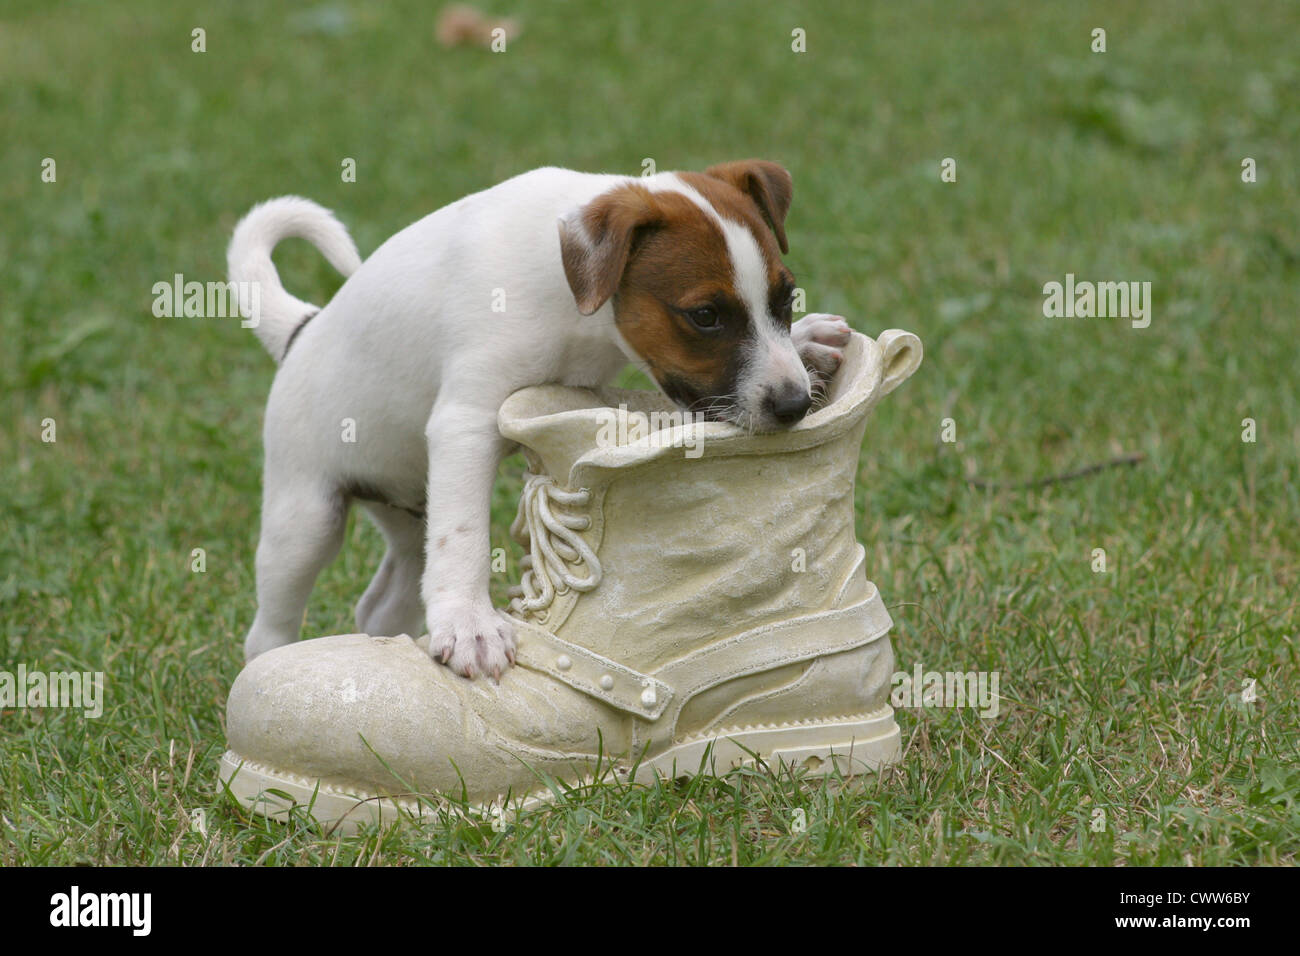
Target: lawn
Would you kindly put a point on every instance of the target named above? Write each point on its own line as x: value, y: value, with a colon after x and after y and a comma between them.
x: 1124, y: 687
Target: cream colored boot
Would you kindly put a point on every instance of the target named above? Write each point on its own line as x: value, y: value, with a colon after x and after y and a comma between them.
x: 691, y: 586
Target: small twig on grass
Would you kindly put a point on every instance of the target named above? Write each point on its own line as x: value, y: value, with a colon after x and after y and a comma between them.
x: 1131, y: 459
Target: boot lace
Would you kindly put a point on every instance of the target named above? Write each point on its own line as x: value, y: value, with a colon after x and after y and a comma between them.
x: 553, y: 543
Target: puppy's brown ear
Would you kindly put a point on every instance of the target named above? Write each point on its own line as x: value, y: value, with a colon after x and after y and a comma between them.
x: 768, y: 184
x: 595, y: 242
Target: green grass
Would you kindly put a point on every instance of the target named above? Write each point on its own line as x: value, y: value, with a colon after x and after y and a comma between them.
x: 1124, y: 688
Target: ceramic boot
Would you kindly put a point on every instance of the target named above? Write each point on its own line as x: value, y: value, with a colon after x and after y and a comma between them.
x: 688, y: 589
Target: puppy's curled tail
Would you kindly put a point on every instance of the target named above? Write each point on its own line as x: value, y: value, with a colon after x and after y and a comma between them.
x: 272, y: 312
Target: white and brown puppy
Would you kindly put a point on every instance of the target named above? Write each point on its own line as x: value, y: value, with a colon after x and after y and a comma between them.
x: 389, y: 394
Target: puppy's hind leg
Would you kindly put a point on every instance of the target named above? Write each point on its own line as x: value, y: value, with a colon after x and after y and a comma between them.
x: 392, y: 605
x: 302, y: 530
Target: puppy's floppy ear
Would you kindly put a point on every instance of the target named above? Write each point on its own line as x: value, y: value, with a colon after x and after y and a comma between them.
x: 596, y: 240
x: 768, y: 184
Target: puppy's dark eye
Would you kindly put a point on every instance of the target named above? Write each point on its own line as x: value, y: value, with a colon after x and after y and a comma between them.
x: 785, y: 306
x: 705, y: 318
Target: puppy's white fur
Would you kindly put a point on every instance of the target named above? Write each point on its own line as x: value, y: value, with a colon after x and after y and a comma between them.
x: 411, y: 352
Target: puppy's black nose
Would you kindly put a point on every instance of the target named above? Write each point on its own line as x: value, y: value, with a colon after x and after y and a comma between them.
x: 788, y: 407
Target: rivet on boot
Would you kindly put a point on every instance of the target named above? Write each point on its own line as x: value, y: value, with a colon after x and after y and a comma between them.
x: 563, y: 663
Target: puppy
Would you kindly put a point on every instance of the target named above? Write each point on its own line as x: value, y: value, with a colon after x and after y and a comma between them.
x: 389, y: 395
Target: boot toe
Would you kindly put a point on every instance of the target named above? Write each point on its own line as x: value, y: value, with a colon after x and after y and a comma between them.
x: 377, y: 716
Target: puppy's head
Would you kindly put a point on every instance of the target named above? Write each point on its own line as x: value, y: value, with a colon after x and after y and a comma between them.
x: 692, y: 265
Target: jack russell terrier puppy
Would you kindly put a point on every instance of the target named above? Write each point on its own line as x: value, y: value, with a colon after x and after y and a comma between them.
x: 389, y: 394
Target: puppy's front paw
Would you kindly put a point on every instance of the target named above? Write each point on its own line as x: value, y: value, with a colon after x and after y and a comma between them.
x: 471, y: 639
x: 819, y: 339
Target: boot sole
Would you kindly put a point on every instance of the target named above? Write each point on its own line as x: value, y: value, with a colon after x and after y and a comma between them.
x: 853, y: 745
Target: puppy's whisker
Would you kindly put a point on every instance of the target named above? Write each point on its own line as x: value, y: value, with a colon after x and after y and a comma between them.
x: 715, y: 408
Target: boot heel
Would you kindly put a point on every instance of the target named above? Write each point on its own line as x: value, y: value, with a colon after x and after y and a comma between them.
x: 863, y: 743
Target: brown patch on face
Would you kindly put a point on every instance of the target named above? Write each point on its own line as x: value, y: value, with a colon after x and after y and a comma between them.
x: 739, y: 207
x: 767, y: 184
x: 663, y: 259
x: 679, y: 266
